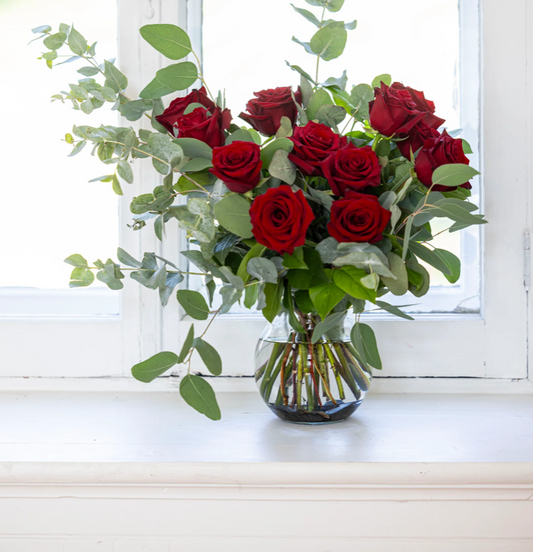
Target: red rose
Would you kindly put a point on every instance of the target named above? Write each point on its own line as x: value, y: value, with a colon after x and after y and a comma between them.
x: 416, y: 139
x: 238, y: 165
x: 352, y: 168
x: 438, y: 151
x: 207, y: 128
x: 268, y: 107
x: 423, y: 130
x: 397, y: 109
x: 176, y: 108
x: 280, y: 219
x: 425, y: 106
x: 312, y: 144
x: 358, y: 218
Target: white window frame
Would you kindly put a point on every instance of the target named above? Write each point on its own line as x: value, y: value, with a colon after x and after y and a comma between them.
x: 466, y: 352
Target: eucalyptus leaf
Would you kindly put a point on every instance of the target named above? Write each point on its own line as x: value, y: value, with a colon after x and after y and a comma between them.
x: 193, y: 304
x: 171, y: 79
x: 399, y: 284
x: 77, y: 43
x: 196, y: 392
x: 187, y: 344
x: 233, y: 213
x: 209, y: 355
x: 326, y: 325
x: 194, y: 148
x: 155, y: 366
x: 280, y: 167
x: 263, y: 270
x: 170, y: 40
x: 453, y: 174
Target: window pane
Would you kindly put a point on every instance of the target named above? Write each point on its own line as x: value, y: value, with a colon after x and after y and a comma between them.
x: 53, y: 211
x: 417, y: 42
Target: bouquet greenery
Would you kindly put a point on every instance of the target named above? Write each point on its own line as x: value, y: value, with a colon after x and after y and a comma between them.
x: 322, y: 205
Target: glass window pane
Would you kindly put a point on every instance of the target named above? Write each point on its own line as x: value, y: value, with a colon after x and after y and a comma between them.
x: 417, y: 42
x: 50, y: 209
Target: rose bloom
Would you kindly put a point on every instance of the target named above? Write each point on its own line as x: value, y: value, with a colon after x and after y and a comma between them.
x: 206, y: 128
x: 352, y: 168
x: 438, y: 151
x: 416, y: 139
x: 358, y: 218
x: 238, y: 165
x: 426, y: 128
x: 312, y: 144
x: 176, y: 108
x: 280, y: 219
x: 268, y: 107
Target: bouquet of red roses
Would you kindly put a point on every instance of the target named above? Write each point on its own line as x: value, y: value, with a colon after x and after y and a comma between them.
x: 321, y: 205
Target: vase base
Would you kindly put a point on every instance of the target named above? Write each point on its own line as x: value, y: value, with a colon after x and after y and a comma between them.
x: 328, y: 414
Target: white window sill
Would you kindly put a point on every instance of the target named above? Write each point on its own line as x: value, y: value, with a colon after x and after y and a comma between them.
x: 103, y: 472
x: 158, y: 427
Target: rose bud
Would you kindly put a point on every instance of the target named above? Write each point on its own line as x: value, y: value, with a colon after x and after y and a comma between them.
x: 238, y: 165
x: 207, y: 128
x: 176, y: 108
x: 280, y: 219
x: 312, y: 144
x: 438, y: 151
x: 268, y: 107
x: 358, y: 218
x: 352, y: 168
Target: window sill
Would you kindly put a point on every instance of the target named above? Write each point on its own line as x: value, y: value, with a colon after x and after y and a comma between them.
x: 127, y: 427
x: 141, y: 471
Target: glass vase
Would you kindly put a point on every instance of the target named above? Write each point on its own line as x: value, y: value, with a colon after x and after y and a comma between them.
x: 309, y: 383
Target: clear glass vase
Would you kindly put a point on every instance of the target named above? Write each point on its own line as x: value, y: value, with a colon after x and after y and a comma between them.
x: 308, y: 383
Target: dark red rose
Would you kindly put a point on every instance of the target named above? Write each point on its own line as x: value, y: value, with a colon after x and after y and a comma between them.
x: 312, y: 144
x: 416, y: 139
x: 423, y: 130
x: 268, y: 107
x: 423, y: 105
x: 358, y: 218
x: 352, y: 168
x: 397, y: 109
x: 438, y: 151
x: 176, y: 108
x: 238, y: 165
x: 207, y: 128
x: 280, y: 219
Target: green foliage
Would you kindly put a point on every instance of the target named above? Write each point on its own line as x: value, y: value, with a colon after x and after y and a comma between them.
x: 453, y: 174
x: 329, y: 41
x: 325, y: 297
x: 209, y: 355
x: 233, y: 213
x: 349, y: 280
x: 200, y: 395
x: 364, y: 341
x: 81, y: 277
x: 194, y: 148
x: 267, y: 153
x: 327, y: 324
x: 399, y: 284
x: 170, y: 40
x: 170, y: 79
x: 385, y: 79
x: 155, y: 366
x: 273, y: 295
x: 193, y: 304
x: 187, y: 344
